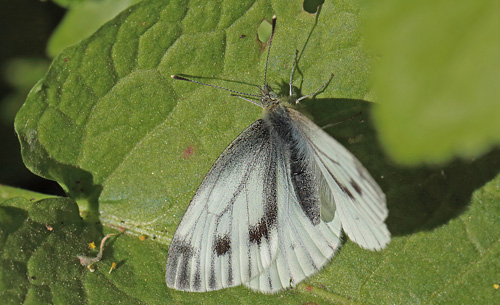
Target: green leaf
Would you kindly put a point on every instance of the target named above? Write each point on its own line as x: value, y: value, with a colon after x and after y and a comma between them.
x: 83, y: 19
x: 128, y: 142
x: 436, y: 76
x: 109, y: 124
x: 68, y: 3
x: 39, y: 243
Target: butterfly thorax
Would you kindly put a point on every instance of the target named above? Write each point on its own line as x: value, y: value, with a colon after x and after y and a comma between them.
x: 270, y: 99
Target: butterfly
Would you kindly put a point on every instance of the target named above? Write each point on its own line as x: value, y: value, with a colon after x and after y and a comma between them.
x: 271, y: 210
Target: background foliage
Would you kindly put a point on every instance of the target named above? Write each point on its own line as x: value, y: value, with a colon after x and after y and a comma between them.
x: 129, y: 146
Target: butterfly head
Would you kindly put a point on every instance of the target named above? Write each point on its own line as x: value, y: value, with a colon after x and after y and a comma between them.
x: 268, y: 97
x: 285, y: 95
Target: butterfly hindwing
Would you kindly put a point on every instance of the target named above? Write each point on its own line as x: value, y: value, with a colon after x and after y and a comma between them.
x: 357, y: 199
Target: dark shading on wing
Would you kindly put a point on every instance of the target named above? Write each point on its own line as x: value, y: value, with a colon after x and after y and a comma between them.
x: 305, y: 242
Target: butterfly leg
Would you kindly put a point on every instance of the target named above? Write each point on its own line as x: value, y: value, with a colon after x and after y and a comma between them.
x: 315, y: 92
x: 293, y: 70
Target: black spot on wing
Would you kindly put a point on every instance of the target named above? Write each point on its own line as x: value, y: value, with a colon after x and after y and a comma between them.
x: 265, y: 224
x: 269, y: 220
x: 222, y: 245
x: 258, y: 231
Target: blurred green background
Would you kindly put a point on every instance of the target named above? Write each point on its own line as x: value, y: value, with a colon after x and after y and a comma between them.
x: 32, y: 34
x: 26, y: 26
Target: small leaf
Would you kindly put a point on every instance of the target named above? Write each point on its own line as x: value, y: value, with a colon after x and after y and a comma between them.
x: 83, y: 19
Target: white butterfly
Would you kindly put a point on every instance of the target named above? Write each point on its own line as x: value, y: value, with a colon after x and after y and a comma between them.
x: 270, y: 211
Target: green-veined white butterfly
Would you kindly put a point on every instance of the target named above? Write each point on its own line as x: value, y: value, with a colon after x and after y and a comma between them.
x: 270, y: 211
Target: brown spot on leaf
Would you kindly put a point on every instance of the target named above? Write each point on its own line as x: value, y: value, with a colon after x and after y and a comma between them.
x: 188, y: 152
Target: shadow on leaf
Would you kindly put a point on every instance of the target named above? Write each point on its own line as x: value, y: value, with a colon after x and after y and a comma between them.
x: 419, y: 198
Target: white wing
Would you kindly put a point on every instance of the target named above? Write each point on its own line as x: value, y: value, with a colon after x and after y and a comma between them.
x: 357, y: 199
x: 246, y: 223
x: 304, y: 247
x: 228, y: 234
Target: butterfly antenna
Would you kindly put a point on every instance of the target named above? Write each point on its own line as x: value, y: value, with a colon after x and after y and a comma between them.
x: 248, y: 100
x: 214, y: 86
x: 273, y: 25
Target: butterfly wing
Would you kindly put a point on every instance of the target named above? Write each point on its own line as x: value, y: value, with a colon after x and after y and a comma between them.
x: 247, y: 224
x: 304, y: 246
x: 305, y: 241
x: 357, y: 199
x: 271, y: 209
x: 228, y: 234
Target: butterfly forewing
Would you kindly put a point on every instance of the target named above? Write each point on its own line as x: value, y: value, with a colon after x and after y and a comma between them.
x: 228, y: 233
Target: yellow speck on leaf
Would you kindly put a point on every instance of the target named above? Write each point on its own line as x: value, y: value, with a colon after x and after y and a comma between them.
x: 113, y: 267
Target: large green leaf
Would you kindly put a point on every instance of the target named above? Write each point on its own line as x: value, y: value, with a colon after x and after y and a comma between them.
x: 109, y: 124
x: 437, y: 74
x: 123, y: 139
